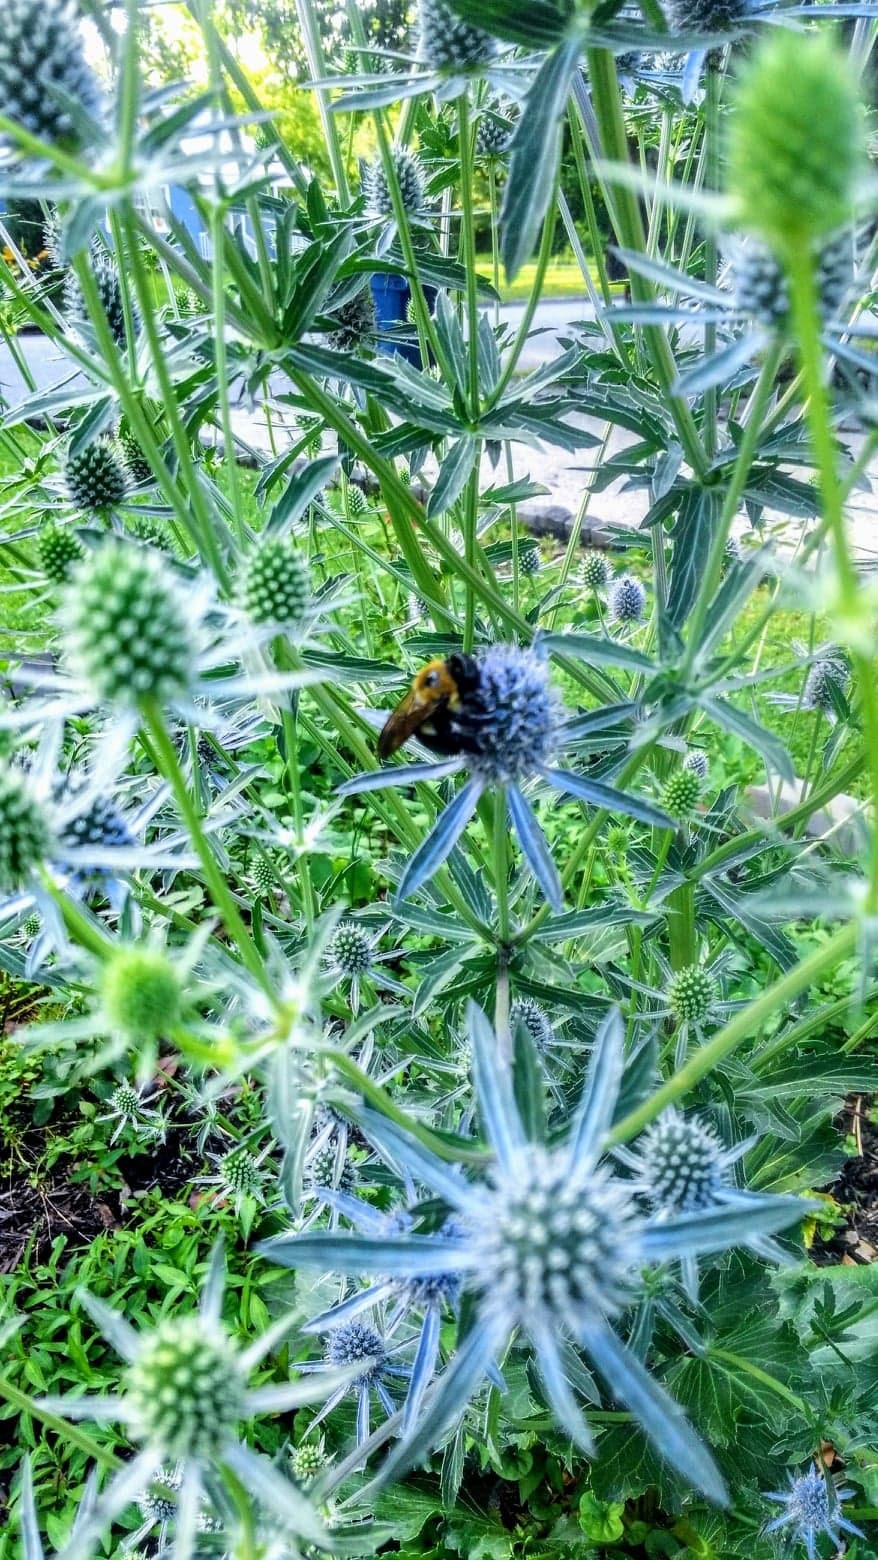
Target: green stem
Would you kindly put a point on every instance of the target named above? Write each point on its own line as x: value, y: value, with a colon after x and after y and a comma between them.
x: 736, y: 485
x: 739, y: 1028
x: 853, y: 612
x: 317, y: 66
x: 607, y: 102
x: 219, y: 889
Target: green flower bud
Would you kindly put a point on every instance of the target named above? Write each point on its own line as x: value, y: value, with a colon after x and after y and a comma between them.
x: 59, y: 550
x: 691, y: 994
x: 681, y: 793
x: 185, y: 1389
x: 796, y: 140
x: 277, y: 586
x: 24, y: 832
x: 141, y: 993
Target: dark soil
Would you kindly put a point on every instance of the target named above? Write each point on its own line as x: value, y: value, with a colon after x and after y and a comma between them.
x: 855, y: 1189
x: 34, y: 1211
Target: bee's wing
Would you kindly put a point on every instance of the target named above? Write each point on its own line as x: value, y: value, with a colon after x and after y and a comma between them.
x: 408, y: 717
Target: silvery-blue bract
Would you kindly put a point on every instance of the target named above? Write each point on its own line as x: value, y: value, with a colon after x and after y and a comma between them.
x: 550, y: 1247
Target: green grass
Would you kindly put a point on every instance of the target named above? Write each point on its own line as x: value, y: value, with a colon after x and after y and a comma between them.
x: 563, y: 279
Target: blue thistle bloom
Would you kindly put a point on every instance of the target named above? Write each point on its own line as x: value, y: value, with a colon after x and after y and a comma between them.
x: 506, y: 726
x: 548, y: 1243
x: 356, y: 1343
x: 811, y: 1507
x: 681, y: 1166
x: 627, y: 599
x: 432, y: 1293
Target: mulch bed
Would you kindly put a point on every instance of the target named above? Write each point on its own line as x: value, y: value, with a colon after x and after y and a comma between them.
x: 856, y: 1190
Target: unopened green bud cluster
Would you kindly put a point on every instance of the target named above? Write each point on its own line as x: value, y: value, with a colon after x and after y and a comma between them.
x: 681, y: 793
x: 96, y: 477
x: 24, y: 831
x: 277, y: 585
x: 692, y: 994
x: 185, y: 1389
x: 59, y: 549
x: 128, y: 633
x: 141, y: 993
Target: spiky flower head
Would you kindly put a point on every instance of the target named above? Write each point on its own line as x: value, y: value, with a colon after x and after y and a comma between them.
x: 595, y: 571
x: 128, y: 634
x: 826, y: 680
x: 493, y: 132
x: 554, y: 1244
x: 811, y: 1508
x: 239, y: 1173
x: 59, y: 549
x: 684, y: 1163
x: 95, y: 476
x: 535, y: 1019
x: 707, y: 16
x: 681, y: 793
x: 796, y: 140
x: 350, y: 949
x: 263, y: 874
x: 354, y: 322
x: 446, y: 42
x: 98, y: 823
x: 377, y: 190
x: 124, y: 1100
x: 185, y: 1388
x: 357, y: 502
x: 507, y: 721
x: 761, y: 285
x: 138, y: 466
x: 353, y: 1342
x: 529, y: 560
x: 692, y: 994
x: 277, y: 585
x: 24, y: 831
x: 141, y: 993
x: 43, y: 69
x: 325, y: 1173
x: 105, y: 275
x: 627, y: 599
x: 158, y: 1503
x: 307, y: 1462
x: 697, y: 762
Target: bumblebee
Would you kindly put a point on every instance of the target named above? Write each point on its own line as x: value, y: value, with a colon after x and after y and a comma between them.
x: 438, y: 709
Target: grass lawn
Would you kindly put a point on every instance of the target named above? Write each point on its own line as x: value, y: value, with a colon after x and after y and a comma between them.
x: 563, y: 280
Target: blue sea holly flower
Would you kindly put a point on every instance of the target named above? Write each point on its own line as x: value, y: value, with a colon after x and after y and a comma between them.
x: 495, y: 715
x: 812, y: 1506
x: 681, y: 1166
x: 431, y: 1295
x: 550, y: 1246
x: 184, y: 1396
x: 358, y: 1346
